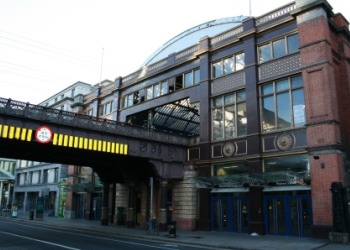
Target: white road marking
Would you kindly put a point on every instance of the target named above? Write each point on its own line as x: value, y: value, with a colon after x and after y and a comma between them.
x: 41, y: 241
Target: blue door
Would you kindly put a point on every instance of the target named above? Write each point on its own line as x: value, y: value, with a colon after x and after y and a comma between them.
x: 229, y: 212
x: 288, y: 213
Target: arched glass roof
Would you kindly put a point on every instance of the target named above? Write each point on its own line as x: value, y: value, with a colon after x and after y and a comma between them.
x: 192, y: 36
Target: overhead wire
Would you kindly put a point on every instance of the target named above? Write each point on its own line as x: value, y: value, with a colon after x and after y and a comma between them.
x: 44, y: 50
x: 50, y: 48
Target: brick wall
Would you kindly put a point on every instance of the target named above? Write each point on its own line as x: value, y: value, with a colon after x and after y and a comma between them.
x: 326, y: 86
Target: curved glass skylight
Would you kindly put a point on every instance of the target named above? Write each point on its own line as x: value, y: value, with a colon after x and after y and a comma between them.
x: 192, y: 36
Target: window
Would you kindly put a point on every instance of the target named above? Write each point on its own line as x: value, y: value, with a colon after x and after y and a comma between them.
x: 230, y: 169
x: 229, y: 118
x: 196, y: 77
x: 35, y: 177
x: 50, y: 175
x: 156, y: 90
x: 152, y: 91
x: 187, y: 79
x: 149, y: 93
x: 287, y: 170
x: 89, y: 112
x: 105, y: 109
x: 190, y: 78
x: 217, y: 69
x: 228, y: 65
x: 164, y: 87
x: 278, y: 48
x: 282, y: 104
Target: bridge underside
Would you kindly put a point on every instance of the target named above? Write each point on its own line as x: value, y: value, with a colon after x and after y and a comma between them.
x: 111, y: 168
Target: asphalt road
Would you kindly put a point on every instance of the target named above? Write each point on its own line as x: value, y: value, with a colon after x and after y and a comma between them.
x: 22, y: 235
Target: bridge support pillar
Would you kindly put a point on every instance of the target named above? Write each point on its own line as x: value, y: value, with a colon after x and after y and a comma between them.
x: 104, y: 219
x: 163, y: 206
x: 130, y: 221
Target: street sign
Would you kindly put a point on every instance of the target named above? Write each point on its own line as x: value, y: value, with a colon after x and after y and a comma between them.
x: 43, y: 134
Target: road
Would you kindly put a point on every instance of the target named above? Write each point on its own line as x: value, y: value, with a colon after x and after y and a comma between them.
x: 22, y: 235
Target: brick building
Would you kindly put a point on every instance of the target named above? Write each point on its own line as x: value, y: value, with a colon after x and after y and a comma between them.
x: 265, y: 101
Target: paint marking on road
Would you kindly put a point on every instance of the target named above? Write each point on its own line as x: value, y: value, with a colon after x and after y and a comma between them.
x: 41, y: 241
x: 170, y: 245
x: 139, y: 244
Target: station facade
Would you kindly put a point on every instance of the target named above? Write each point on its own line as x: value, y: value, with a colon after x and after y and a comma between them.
x: 265, y: 101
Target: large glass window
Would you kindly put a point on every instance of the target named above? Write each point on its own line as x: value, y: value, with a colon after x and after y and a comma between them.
x: 229, y: 117
x: 228, y: 65
x: 230, y: 169
x: 287, y: 170
x: 278, y: 48
x: 282, y: 104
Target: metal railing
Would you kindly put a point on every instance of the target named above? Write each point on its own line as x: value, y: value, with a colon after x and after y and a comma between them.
x: 40, y: 113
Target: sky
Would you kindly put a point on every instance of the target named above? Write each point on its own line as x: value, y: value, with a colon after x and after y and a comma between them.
x: 48, y: 45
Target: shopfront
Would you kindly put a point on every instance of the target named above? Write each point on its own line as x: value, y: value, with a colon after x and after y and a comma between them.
x: 279, y: 198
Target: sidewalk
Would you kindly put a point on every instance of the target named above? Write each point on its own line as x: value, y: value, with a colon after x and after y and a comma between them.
x: 205, y: 239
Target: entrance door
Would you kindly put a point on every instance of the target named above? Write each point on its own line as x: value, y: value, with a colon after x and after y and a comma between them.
x: 275, y: 215
x: 288, y: 214
x: 301, y: 219
x: 229, y: 212
x: 240, y: 214
x: 220, y: 214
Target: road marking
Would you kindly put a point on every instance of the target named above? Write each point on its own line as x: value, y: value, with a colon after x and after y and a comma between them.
x: 41, y: 241
x: 164, y: 247
x: 145, y: 245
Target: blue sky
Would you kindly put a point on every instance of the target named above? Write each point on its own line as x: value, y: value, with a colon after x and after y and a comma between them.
x: 47, y: 45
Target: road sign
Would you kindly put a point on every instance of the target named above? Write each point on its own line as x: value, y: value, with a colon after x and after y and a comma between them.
x: 43, y: 134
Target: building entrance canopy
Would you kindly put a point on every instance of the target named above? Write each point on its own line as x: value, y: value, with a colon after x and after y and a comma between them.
x: 245, y: 180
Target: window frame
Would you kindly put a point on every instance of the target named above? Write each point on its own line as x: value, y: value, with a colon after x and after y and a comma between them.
x: 106, y: 108
x: 219, y: 114
x: 219, y: 69
x: 266, y: 51
x: 274, y: 93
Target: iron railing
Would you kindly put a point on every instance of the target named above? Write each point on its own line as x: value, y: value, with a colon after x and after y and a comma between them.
x: 41, y: 113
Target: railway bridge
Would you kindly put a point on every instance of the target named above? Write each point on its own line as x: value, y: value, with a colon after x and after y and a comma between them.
x: 118, y: 152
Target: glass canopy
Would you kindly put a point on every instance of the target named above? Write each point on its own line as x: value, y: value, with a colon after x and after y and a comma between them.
x: 179, y: 117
